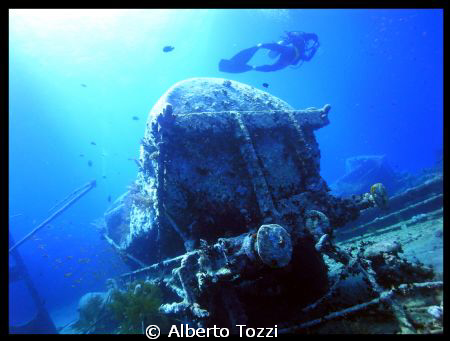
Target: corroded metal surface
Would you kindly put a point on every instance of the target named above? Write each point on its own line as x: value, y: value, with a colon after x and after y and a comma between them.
x: 229, y: 205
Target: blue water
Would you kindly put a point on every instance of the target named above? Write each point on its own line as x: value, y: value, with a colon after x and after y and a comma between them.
x: 79, y: 76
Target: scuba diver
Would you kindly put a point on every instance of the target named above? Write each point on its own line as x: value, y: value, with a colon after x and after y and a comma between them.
x: 296, y: 46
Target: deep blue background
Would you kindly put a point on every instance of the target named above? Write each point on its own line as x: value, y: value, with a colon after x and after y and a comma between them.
x: 381, y: 71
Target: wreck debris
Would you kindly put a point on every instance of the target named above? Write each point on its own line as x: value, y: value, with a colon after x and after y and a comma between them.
x: 385, y: 295
x: 436, y: 311
x: 421, y: 199
x: 231, y: 211
x: 274, y: 246
x: 68, y: 201
x: 317, y: 223
x: 218, y: 166
x: 197, y: 273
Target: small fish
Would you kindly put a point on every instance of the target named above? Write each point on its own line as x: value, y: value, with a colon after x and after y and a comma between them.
x: 168, y: 48
x: 109, y: 198
x: 81, y: 155
x: 104, y: 176
x: 68, y: 274
x: 84, y: 260
x: 266, y: 85
x: 90, y: 163
x: 83, y: 85
x: 135, y: 118
x: 93, y: 143
x: 69, y: 257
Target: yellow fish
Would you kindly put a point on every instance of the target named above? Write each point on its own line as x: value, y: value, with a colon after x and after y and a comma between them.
x: 379, y: 195
x: 68, y: 274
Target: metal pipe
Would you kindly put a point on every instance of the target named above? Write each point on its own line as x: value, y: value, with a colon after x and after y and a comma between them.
x: 86, y: 188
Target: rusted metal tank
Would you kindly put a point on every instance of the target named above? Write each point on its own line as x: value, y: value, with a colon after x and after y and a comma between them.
x: 229, y: 209
x: 220, y: 158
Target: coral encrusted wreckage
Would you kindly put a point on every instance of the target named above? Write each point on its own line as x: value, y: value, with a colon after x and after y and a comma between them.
x: 230, y: 217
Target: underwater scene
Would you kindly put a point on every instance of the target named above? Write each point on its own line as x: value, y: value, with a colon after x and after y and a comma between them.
x: 206, y: 172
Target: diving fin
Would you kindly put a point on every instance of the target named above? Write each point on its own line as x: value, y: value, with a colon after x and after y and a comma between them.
x: 273, y: 54
x: 229, y: 66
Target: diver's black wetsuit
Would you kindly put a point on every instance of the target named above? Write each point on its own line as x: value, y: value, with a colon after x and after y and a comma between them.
x: 291, y: 50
